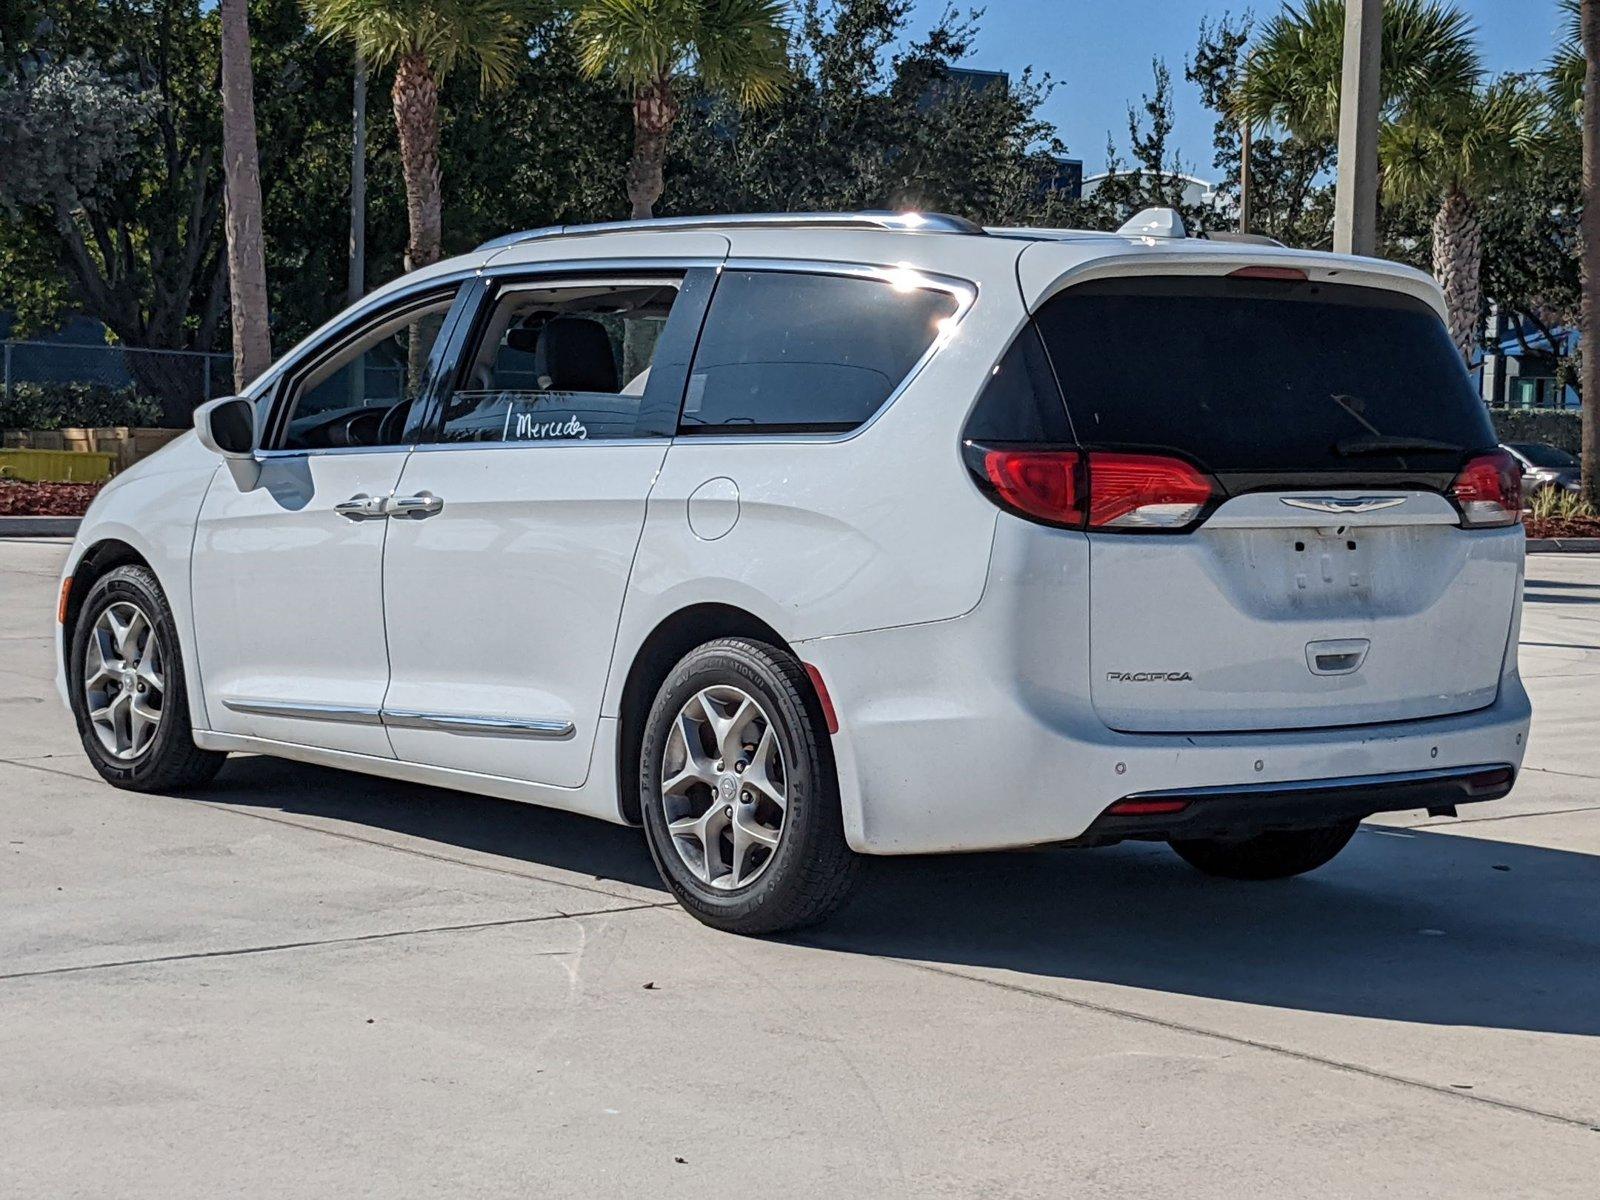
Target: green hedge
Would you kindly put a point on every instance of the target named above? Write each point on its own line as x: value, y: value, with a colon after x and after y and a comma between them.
x: 72, y: 405
x: 1553, y: 426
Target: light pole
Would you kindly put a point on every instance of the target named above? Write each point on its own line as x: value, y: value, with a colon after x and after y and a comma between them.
x: 1355, y: 204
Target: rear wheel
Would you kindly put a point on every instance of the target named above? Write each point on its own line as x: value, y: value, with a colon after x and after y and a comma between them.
x: 126, y: 682
x: 738, y: 794
x: 1274, y: 855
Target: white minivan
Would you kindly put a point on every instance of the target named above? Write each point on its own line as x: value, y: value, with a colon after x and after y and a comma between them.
x: 800, y: 537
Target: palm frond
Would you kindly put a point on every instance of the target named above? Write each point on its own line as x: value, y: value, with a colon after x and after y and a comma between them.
x: 737, y: 46
x: 450, y: 33
x: 1566, y: 70
x: 1471, y: 147
x: 1292, y: 75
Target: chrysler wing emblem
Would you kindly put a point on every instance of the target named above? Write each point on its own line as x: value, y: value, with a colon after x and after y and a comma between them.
x: 1343, y: 504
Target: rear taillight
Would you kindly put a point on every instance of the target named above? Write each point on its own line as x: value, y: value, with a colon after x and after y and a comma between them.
x: 1145, y: 491
x: 1046, y: 484
x: 1124, y: 493
x: 1488, y: 491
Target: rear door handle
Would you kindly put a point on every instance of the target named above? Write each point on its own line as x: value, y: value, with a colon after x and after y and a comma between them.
x: 360, y: 507
x: 423, y: 504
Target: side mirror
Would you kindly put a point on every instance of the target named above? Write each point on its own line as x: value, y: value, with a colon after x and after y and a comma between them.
x: 227, y: 427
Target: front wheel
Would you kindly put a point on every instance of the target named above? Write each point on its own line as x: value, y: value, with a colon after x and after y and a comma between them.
x: 738, y: 793
x: 1275, y: 855
x: 126, y: 682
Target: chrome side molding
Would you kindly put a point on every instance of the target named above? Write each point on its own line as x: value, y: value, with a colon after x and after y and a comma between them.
x: 396, y: 718
x: 346, y: 713
x: 483, y: 726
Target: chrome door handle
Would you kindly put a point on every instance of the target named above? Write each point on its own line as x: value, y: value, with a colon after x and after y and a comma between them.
x: 423, y: 504
x: 360, y: 507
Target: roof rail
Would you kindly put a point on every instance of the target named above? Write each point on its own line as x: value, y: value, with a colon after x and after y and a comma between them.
x: 908, y: 222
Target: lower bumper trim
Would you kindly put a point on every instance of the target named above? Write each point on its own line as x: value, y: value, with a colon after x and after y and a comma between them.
x: 1245, y: 810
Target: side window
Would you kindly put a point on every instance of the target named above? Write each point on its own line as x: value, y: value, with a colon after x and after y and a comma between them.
x: 1021, y: 402
x: 786, y: 352
x: 361, y: 393
x: 565, y: 362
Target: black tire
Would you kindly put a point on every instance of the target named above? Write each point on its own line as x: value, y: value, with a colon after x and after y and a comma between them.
x: 1275, y: 855
x: 812, y: 870
x: 170, y: 761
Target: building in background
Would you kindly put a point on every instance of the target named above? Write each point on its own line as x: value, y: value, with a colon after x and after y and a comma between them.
x: 1519, y: 370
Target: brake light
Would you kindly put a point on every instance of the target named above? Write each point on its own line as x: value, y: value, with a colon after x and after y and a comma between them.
x: 1040, y: 483
x: 1099, y: 489
x: 1288, y: 274
x: 1488, y: 491
x: 1145, y: 491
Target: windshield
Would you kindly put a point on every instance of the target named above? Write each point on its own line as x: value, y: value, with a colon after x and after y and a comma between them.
x: 1541, y: 455
x: 1252, y: 375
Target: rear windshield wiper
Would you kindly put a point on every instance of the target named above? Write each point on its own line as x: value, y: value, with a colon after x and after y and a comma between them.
x: 1350, y: 447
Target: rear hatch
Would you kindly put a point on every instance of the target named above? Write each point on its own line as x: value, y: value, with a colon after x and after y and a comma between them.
x: 1330, y: 580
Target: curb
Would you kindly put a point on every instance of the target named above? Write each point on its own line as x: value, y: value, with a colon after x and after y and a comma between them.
x: 1585, y: 545
x: 39, y: 526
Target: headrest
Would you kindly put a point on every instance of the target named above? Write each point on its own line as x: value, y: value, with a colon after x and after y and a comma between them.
x: 574, y: 355
x: 522, y: 339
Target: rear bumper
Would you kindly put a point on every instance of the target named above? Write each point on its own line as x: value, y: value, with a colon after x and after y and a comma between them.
x: 978, y: 733
x: 1224, y: 812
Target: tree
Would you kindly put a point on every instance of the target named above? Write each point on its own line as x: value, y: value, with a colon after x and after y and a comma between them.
x: 862, y: 125
x: 1156, y: 181
x: 1453, y: 157
x: 1291, y: 199
x: 1447, y: 139
x: 1589, y: 39
x: 424, y: 40
x: 735, y: 47
x: 247, y: 263
x: 1429, y: 59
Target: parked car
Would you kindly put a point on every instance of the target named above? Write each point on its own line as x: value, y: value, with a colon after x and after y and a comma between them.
x: 800, y: 538
x: 1545, y: 467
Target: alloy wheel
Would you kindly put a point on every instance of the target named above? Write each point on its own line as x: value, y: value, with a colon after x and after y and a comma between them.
x: 124, y: 682
x: 724, y: 787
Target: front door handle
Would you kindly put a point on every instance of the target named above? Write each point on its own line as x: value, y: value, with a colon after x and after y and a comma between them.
x: 360, y: 507
x: 423, y: 504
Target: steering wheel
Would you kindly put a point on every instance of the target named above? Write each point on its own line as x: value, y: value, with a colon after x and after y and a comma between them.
x: 393, y: 426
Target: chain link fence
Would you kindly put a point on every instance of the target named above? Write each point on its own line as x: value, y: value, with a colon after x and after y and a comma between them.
x: 43, y: 382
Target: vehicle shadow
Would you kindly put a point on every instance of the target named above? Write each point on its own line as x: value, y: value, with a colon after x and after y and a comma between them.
x: 515, y: 832
x: 1406, y: 925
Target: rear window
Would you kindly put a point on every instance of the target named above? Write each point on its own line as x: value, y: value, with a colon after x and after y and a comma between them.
x: 1247, y: 375
x: 784, y: 352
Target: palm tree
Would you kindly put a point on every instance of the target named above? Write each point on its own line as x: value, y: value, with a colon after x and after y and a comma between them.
x: 1589, y: 43
x: 1567, y: 67
x: 247, y: 263
x: 1292, y: 75
x: 424, y: 40
x: 1452, y: 158
x: 1446, y: 138
x: 737, y: 47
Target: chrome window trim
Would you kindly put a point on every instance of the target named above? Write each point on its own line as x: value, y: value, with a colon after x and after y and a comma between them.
x: 965, y: 292
x: 554, y: 730
x: 346, y: 713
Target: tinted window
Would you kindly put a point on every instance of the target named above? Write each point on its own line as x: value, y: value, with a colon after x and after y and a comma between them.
x: 1021, y: 402
x: 359, y: 394
x: 1541, y: 455
x: 1263, y: 375
x: 795, y: 353
x: 561, y: 363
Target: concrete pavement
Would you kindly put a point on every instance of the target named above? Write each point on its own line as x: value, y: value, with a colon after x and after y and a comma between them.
x: 306, y: 983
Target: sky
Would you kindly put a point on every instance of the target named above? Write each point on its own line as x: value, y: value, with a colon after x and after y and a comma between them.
x: 1099, y: 52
